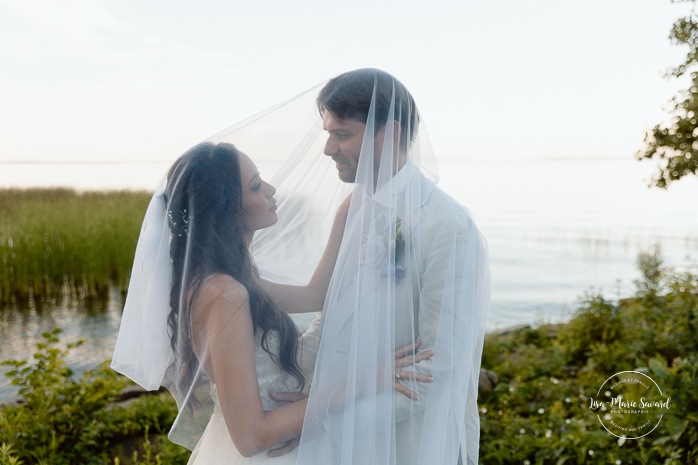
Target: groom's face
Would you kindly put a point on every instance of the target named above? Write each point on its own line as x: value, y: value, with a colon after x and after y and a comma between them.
x: 344, y: 141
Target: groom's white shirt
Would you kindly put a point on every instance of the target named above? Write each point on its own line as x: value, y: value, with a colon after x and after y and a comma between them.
x: 441, y: 219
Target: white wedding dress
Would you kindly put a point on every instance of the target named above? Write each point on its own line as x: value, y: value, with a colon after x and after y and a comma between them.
x: 216, y: 446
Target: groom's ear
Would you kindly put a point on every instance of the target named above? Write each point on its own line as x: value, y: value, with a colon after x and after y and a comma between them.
x: 393, y: 125
x: 396, y: 132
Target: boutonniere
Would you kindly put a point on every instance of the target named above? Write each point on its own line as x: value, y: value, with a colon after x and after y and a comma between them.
x: 399, y: 240
x: 397, y: 250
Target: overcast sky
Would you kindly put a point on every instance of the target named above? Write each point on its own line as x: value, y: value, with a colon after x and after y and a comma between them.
x: 132, y: 80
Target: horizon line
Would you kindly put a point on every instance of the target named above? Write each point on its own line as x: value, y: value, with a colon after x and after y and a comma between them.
x: 438, y: 159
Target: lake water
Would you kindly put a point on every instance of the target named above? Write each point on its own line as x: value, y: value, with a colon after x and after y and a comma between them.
x: 556, y: 229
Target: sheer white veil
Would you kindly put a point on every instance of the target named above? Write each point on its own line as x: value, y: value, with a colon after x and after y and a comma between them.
x: 412, y: 264
x: 285, y: 143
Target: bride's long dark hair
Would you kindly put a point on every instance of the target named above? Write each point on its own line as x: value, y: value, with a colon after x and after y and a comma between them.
x: 206, y: 220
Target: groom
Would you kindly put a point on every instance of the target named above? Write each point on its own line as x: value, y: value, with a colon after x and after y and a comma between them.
x: 438, y: 251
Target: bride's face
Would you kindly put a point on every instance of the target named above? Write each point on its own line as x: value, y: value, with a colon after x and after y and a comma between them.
x: 258, y: 201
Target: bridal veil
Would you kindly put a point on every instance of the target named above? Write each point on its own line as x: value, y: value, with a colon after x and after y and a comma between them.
x: 412, y: 264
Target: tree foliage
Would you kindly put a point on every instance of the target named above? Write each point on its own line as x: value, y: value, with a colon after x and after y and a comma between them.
x: 675, y: 144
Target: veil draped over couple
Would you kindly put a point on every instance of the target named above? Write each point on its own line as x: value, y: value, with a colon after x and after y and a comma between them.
x: 351, y: 226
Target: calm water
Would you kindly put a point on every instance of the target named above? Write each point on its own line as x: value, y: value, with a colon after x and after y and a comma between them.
x: 556, y: 229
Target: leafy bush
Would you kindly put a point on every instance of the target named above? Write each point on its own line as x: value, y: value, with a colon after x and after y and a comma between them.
x: 539, y: 412
x: 58, y: 421
x: 678, y: 438
x: 63, y: 419
x: 7, y: 456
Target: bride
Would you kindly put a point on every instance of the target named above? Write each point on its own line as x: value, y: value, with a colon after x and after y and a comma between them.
x: 220, y: 316
x: 195, y: 284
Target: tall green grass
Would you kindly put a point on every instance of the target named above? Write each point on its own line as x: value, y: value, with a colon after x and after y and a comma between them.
x: 58, y: 240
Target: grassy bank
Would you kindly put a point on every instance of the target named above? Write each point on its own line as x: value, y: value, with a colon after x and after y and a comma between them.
x: 57, y: 240
x: 538, y: 413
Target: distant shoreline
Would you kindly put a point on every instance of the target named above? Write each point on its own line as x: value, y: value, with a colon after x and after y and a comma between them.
x: 438, y: 159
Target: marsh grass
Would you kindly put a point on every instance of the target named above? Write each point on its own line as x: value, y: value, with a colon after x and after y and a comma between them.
x: 54, y: 241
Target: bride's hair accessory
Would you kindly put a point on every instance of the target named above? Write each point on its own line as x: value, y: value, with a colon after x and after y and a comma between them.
x: 179, y: 222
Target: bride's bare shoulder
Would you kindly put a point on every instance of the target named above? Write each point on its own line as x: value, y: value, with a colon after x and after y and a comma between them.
x: 221, y: 306
x: 222, y: 288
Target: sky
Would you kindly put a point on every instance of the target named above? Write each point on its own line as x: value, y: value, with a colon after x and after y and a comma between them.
x: 133, y: 80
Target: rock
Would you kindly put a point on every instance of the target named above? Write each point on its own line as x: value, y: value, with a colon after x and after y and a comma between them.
x: 511, y: 329
x: 15, y: 401
x: 131, y: 392
x: 488, y: 380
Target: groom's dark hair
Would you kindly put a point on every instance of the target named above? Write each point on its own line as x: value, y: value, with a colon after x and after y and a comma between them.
x: 349, y: 95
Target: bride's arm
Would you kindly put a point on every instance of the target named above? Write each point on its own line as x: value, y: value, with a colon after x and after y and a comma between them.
x: 224, y: 334
x: 311, y: 297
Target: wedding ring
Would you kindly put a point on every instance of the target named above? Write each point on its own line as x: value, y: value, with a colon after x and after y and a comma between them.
x: 397, y: 375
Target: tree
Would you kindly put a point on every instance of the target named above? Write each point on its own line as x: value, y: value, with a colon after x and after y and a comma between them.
x: 675, y: 144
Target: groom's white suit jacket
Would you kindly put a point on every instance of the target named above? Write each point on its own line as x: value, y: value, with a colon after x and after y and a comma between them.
x: 442, y: 219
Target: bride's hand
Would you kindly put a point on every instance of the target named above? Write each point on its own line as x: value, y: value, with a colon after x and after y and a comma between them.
x: 406, y: 356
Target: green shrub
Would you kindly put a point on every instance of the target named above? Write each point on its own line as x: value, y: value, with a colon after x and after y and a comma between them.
x: 64, y: 419
x: 539, y: 412
x: 7, y: 456
x: 677, y: 437
x: 59, y: 420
